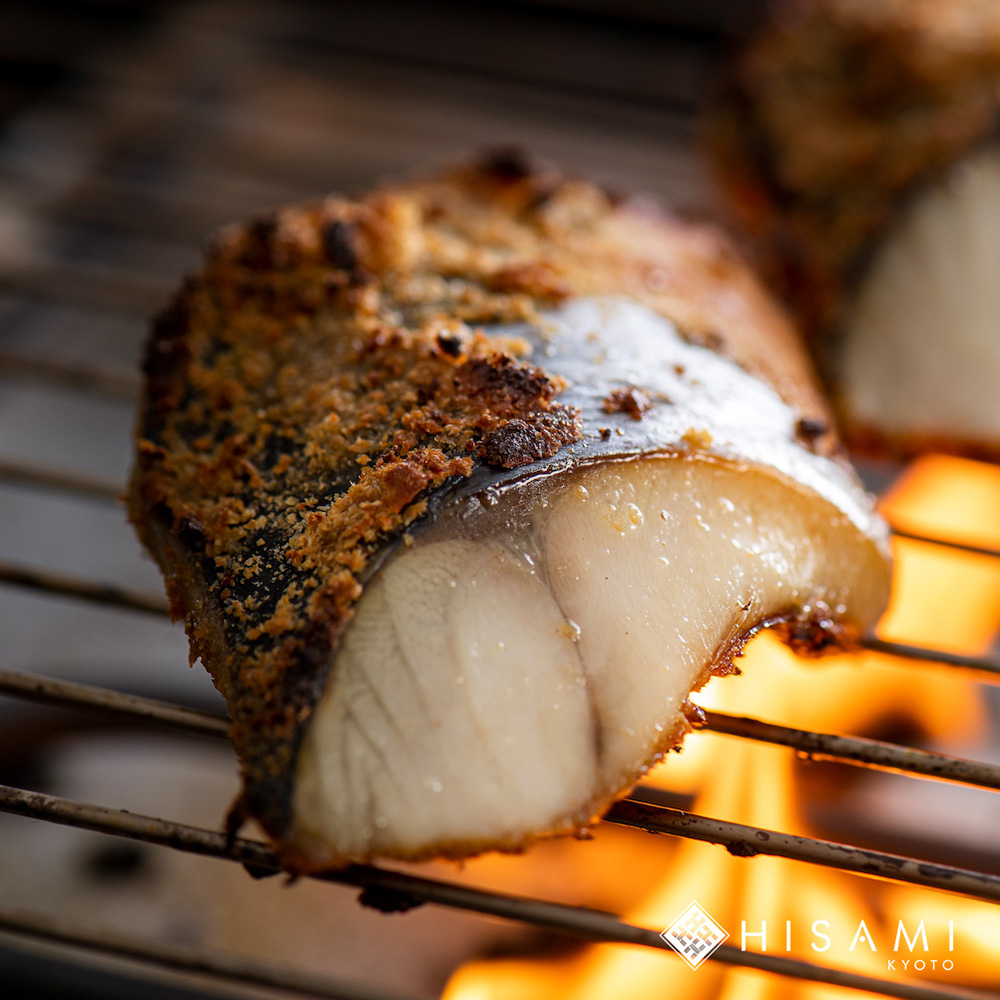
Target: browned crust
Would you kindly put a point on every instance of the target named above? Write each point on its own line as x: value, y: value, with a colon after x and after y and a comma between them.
x: 628, y: 399
x: 836, y: 109
x: 324, y: 372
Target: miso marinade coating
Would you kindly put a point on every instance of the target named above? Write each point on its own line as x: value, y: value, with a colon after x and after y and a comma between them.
x: 337, y: 374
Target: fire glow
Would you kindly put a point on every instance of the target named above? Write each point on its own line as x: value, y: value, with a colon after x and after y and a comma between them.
x: 943, y: 599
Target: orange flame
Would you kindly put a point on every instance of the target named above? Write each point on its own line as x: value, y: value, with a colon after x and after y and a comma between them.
x: 941, y: 598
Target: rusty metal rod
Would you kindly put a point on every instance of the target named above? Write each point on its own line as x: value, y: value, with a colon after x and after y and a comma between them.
x: 88, y: 376
x: 59, y: 480
x: 916, y: 536
x: 49, y: 690
x: 856, y: 750
x: 188, y: 959
x: 70, y: 586
x: 824, y: 746
x: 410, y: 890
x: 104, y: 288
x: 748, y: 841
x: 936, y: 656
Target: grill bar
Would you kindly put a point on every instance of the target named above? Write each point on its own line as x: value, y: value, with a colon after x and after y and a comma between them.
x: 142, y: 206
x: 938, y: 657
x: 50, y: 691
x: 856, y: 750
x: 826, y: 746
x: 181, y: 958
x: 739, y: 839
x: 916, y: 536
x: 59, y: 480
x: 106, y: 379
x: 406, y: 891
x: 70, y: 586
x: 89, y: 285
x: 748, y: 841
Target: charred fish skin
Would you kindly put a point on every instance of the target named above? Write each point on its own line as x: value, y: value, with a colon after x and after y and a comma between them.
x: 339, y: 373
x: 838, y: 118
x: 642, y: 389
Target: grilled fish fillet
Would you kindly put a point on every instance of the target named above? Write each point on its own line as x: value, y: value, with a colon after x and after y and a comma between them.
x: 858, y: 147
x: 462, y: 487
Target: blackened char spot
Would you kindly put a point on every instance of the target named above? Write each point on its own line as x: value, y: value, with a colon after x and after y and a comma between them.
x: 809, y: 636
x: 257, y: 872
x: 507, y: 163
x: 503, y: 385
x: 258, y: 246
x: 809, y: 431
x: 191, y: 533
x: 450, y: 345
x: 167, y: 352
x: 518, y: 442
x: 338, y: 241
x: 388, y: 900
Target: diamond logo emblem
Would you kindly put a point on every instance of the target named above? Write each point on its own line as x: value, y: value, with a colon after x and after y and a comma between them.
x: 694, y: 935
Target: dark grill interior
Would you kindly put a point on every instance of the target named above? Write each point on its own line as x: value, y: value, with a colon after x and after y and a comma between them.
x: 133, y: 131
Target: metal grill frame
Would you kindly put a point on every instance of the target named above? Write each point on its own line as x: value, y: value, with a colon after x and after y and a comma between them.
x: 394, y: 891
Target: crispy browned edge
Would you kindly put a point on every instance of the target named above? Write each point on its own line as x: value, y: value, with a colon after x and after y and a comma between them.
x: 834, y: 111
x: 393, y: 286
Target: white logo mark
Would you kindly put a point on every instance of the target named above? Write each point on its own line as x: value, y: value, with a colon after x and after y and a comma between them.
x: 694, y: 935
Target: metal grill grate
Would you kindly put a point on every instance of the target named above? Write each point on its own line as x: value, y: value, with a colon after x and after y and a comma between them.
x: 391, y: 890
x: 122, y: 171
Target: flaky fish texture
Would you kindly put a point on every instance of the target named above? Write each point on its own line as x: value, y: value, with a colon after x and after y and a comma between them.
x: 462, y: 486
x: 857, y: 145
